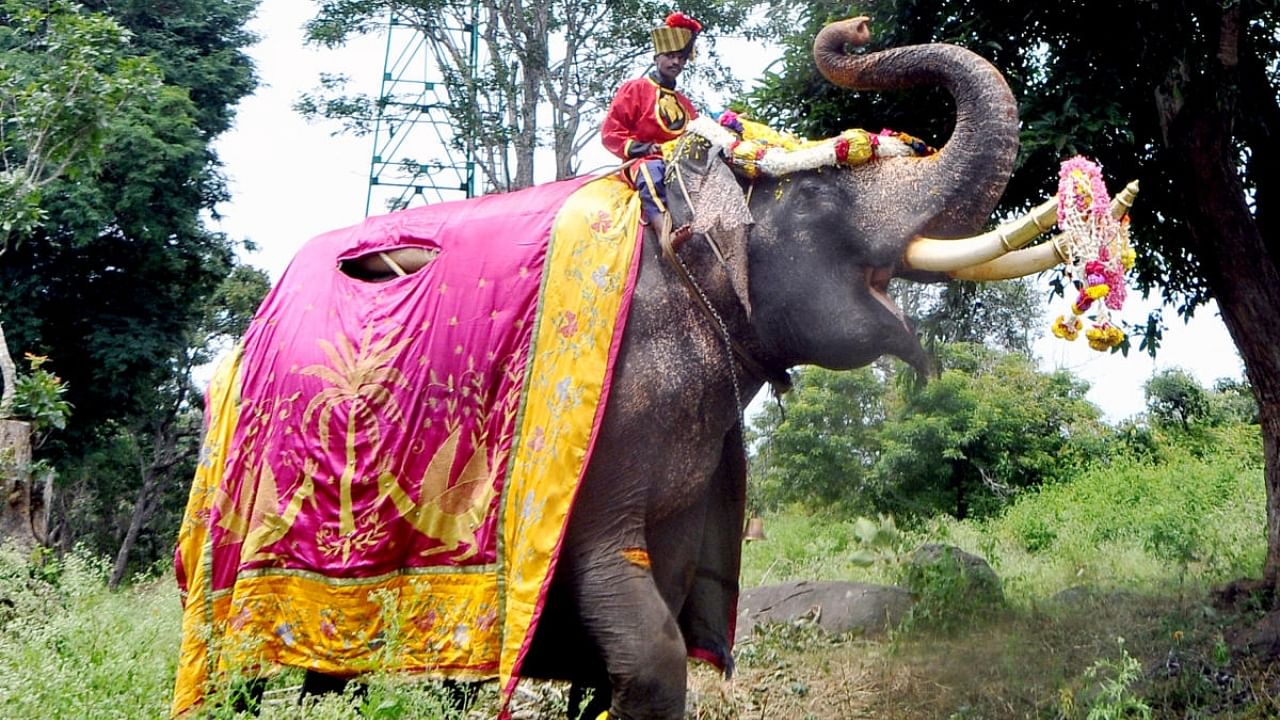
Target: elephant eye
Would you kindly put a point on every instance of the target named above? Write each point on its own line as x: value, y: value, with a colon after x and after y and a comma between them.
x: 815, y: 197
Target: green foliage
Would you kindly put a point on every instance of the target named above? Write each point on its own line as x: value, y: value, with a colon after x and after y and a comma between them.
x: 950, y: 594
x: 1233, y: 401
x: 1113, y: 697
x: 964, y: 444
x: 73, y: 649
x: 38, y: 397
x: 820, y: 445
x: 801, y: 545
x: 65, y: 75
x: 1174, y: 396
x: 967, y: 442
x: 1002, y: 315
x: 114, y: 284
x: 1128, y: 520
x: 115, y: 274
x: 879, y: 541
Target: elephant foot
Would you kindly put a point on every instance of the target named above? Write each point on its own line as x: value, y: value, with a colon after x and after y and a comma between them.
x: 316, y: 684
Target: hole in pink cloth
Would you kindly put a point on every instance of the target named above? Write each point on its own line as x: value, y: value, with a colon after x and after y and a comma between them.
x: 388, y: 264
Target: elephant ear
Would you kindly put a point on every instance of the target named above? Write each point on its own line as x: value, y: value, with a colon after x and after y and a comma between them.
x: 719, y: 210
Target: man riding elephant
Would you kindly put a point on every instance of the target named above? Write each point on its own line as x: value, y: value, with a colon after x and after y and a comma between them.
x: 648, y: 111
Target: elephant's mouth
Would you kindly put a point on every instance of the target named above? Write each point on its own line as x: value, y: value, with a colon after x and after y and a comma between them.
x: 878, y: 282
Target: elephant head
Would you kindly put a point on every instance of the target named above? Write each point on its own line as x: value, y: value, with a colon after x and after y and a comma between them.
x: 826, y: 241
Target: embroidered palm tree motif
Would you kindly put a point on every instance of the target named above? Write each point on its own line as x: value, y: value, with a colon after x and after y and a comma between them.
x: 361, y: 380
x: 670, y: 112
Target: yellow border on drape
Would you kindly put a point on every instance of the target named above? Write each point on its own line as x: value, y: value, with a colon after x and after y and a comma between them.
x: 589, y: 264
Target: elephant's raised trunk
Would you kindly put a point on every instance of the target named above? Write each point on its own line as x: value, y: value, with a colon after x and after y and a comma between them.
x: 969, y: 173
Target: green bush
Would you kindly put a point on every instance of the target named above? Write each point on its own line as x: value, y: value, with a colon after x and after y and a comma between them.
x: 950, y: 592
x: 1133, y: 519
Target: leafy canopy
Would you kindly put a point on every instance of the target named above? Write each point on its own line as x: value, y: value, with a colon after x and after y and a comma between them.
x: 65, y: 74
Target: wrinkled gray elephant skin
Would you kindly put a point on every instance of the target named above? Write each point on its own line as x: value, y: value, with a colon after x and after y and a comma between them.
x: 648, y: 570
x: 667, y: 474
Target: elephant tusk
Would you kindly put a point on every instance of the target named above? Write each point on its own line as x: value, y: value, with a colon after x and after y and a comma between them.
x: 946, y: 255
x: 1041, y: 257
x: 1019, y: 263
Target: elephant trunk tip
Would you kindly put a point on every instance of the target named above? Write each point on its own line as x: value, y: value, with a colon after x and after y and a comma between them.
x: 834, y: 39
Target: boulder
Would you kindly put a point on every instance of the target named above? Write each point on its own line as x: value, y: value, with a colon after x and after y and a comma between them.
x: 954, y: 575
x: 836, y: 607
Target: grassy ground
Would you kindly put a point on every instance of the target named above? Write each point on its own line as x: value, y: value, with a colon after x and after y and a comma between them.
x: 1109, y: 612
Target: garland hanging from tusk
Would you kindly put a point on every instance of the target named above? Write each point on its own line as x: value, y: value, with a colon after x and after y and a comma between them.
x: 1041, y: 257
x: 1096, y: 245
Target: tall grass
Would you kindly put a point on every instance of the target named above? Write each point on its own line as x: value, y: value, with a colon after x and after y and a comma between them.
x: 1193, y: 513
x: 1108, y: 578
x: 1142, y: 538
x: 70, y: 648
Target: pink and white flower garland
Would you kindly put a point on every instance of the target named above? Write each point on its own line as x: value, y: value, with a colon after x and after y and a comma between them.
x: 1097, y: 250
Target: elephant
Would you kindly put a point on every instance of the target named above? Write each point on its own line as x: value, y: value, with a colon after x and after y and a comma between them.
x: 756, y: 275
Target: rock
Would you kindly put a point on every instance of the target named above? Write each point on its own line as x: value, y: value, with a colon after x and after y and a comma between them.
x: 954, y: 575
x: 836, y: 607
x: 1074, y: 596
x: 1084, y: 596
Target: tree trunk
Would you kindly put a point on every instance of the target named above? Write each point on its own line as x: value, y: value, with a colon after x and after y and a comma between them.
x: 1240, y: 270
x: 142, y: 509
x: 9, y: 375
x: 15, y: 482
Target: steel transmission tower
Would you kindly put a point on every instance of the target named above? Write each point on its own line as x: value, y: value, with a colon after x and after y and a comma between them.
x: 416, y: 156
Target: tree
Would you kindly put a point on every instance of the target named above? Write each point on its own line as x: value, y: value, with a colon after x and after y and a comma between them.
x: 162, y: 445
x: 1188, y: 103
x: 554, y: 59
x: 64, y: 76
x: 111, y: 283
x: 1234, y: 402
x: 1174, y: 396
x: 819, y: 444
x: 967, y: 442
x: 1001, y: 315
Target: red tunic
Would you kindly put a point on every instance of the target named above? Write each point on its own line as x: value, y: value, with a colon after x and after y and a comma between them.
x: 644, y: 112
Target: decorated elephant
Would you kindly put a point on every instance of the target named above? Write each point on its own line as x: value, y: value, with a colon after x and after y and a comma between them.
x: 445, y: 446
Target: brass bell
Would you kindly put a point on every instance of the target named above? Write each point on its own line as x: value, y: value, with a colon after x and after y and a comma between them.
x: 755, y: 529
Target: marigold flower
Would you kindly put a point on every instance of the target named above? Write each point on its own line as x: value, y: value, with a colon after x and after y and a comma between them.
x: 1067, y: 330
x: 1104, y: 337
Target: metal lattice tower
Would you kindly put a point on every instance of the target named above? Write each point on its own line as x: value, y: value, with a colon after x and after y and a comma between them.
x: 415, y: 159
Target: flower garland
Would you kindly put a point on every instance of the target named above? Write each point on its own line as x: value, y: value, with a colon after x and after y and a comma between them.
x: 756, y: 149
x: 1097, y: 251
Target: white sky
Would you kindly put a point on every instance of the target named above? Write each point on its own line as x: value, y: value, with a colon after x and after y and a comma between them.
x: 290, y: 180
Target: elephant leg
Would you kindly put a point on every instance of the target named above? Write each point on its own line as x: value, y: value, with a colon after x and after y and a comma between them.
x: 636, y: 634
x: 316, y: 684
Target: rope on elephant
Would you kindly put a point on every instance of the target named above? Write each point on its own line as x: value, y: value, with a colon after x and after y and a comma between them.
x: 755, y: 149
x: 1095, y: 246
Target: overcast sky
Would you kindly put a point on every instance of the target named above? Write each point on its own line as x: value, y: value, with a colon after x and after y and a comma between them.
x: 291, y: 180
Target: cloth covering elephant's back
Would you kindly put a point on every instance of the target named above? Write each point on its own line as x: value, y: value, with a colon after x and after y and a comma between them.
x: 388, y: 466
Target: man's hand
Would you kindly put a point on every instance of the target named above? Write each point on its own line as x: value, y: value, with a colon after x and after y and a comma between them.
x: 641, y: 149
